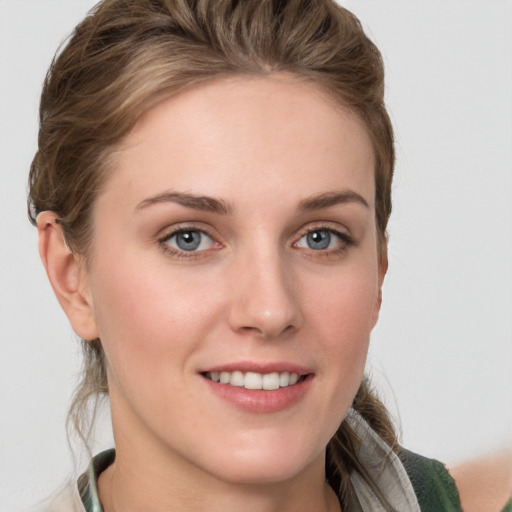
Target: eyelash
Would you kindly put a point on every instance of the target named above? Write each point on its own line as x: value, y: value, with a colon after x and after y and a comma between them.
x: 345, y: 241
x: 164, y: 242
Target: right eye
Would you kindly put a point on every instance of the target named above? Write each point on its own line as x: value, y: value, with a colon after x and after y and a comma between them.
x: 186, y: 240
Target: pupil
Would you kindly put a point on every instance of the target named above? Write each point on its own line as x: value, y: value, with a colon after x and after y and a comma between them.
x: 188, y: 240
x: 319, y: 240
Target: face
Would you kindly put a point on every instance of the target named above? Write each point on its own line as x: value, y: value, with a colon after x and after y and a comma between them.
x: 234, y: 277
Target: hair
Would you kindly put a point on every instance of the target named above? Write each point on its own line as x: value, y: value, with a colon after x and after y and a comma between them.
x: 128, y: 55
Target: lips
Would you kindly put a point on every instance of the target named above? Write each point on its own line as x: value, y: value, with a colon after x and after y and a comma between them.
x: 259, y: 388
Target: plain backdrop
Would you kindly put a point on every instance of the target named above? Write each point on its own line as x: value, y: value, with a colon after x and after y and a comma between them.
x: 442, y: 352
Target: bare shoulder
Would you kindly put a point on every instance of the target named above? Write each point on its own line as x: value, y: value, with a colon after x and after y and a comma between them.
x: 485, y: 484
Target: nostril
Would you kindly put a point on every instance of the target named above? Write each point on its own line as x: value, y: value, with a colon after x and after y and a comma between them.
x: 266, y: 332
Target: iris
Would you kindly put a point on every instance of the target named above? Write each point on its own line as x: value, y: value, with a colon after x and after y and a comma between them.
x: 318, y: 240
x: 188, y: 240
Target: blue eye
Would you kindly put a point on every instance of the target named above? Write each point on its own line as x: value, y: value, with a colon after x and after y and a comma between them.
x: 323, y: 239
x: 318, y: 240
x: 189, y: 240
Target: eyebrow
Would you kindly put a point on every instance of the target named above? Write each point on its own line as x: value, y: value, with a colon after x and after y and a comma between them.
x: 204, y: 203
x: 221, y: 207
x: 328, y: 199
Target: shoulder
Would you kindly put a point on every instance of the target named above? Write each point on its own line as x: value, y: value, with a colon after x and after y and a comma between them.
x: 481, y: 485
x: 485, y: 483
x: 433, y: 485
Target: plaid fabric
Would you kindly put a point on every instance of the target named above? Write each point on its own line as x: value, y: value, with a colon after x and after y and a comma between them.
x: 434, y: 487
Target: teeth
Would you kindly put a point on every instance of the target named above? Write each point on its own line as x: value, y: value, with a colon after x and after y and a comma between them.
x: 253, y: 380
x: 271, y: 381
x: 237, y: 379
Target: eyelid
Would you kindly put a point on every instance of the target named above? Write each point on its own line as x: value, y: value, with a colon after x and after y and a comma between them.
x: 181, y: 227
x: 184, y: 227
x: 344, y: 236
x: 324, y: 225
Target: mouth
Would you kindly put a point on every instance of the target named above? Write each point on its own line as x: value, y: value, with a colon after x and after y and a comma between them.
x: 256, y: 381
x: 259, y: 387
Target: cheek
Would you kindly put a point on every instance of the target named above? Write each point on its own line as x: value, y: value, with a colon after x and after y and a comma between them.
x: 344, y: 305
x: 147, y: 317
x: 341, y: 320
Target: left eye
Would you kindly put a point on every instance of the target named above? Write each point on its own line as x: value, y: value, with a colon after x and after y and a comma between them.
x: 189, y: 240
x: 321, y: 240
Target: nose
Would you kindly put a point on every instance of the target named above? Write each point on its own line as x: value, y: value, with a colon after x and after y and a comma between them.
x: 264, y: 297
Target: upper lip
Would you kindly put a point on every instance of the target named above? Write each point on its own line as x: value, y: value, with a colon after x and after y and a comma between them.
x: 259, y: 367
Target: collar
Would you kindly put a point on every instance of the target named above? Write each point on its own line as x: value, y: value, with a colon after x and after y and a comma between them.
x: 88, y: 482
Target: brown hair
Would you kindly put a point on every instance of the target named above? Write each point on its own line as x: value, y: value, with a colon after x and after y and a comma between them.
x: 127, y: 55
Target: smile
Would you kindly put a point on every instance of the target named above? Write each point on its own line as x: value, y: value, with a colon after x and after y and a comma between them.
x: 254, y: 380
x: 259, y: 387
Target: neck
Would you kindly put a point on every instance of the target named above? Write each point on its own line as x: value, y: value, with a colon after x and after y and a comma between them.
x: 117, y: 494
x: 138, y: 482
x: 149, y: 473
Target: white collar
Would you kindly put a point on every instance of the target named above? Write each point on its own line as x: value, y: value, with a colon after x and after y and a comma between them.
x: 384, y: 466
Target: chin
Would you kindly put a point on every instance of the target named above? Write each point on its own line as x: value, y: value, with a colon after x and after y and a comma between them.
x: 267, y: 473
x: 266, y: 465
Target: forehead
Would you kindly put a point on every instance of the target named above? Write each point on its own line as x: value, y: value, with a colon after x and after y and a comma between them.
x: 251, y: 133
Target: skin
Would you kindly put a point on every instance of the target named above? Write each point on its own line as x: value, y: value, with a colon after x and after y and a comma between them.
x: 485, y: 484
x: 255, y: 290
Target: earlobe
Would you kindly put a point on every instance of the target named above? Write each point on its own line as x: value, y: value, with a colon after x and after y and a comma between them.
x: 67, y: 276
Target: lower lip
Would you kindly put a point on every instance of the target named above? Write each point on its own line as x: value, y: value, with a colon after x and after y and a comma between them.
x: 260, y: 401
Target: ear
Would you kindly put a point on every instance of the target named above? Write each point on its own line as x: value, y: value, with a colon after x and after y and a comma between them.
x: 67, y: 274
x: 383, y: 268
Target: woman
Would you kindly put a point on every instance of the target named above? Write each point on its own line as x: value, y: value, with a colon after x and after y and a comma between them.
x: 212, y: 189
